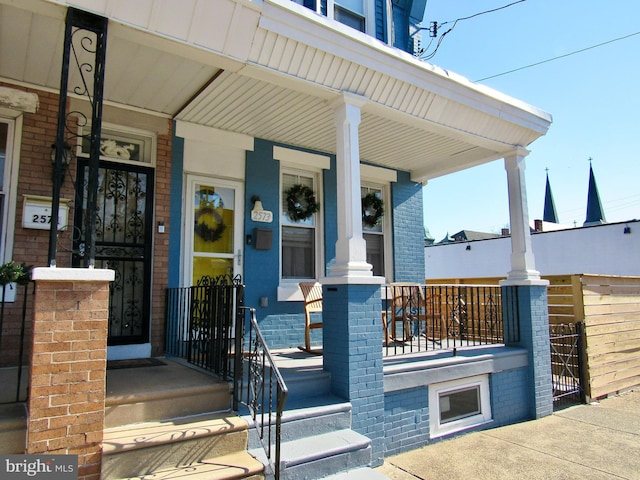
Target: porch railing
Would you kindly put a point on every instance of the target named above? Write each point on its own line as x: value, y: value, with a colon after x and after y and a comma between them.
x: 264, y: 394
x: 203, y: 322
x: 440, y: 317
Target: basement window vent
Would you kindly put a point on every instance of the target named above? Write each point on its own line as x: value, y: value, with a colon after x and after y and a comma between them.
x: 459, y: 404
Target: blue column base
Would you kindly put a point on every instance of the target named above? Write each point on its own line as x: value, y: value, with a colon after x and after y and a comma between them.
x: 526, y: 324
x: 352, y: 353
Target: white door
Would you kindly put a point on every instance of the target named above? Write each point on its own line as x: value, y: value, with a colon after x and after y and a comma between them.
x: 214, y: 228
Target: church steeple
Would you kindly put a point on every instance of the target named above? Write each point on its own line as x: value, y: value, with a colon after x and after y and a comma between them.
x: 549, y: 214
x: 595, y: 213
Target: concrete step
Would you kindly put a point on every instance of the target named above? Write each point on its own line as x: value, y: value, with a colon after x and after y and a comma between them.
x: 323, y: 455
x: 308, y: 417
x: 307, y: 384
x: 144, y: 448
x: 239, y: 465
x: 13, y: 428
x: 365, y: 473
x: 171, y: 390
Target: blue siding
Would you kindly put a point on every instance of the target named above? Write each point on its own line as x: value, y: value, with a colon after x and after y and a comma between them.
x: 282, y: 323
x: 381, y: 20
x: 175, y: 210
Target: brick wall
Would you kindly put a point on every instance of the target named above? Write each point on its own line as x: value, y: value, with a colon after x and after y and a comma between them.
x: 509, y: 399
x: 161, y: 242
x: 527, y: 308
x: 406, y: 420
x: 352, y: 353
x: 68, y: 367
x: 31, y: 246
x: 406, y: 412
x: 34, y: 178
x: 408, y: 230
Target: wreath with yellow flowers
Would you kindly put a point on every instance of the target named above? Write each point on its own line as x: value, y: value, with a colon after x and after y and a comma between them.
x: 206, y: 232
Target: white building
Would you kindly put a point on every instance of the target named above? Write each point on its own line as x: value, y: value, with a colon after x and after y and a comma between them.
x: 607, y: 249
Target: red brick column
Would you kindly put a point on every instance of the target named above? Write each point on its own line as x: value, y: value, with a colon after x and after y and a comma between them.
x: 68, y: 365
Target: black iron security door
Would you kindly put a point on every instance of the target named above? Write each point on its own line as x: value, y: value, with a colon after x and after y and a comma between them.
x: 123, y: 243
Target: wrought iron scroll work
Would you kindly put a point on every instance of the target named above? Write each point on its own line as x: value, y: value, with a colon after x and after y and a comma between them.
x: 86, y: 38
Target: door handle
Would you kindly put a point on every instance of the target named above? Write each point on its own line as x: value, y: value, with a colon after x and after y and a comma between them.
x: 239, y: 257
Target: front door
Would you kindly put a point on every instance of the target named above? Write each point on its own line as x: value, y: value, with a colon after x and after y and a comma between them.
x: 123, y: 243
x: 213, y: 238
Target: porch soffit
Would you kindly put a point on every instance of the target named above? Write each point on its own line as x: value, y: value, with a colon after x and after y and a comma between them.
x: 414, y: 121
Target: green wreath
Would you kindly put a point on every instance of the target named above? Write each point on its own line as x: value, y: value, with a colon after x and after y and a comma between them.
x: 205, y: 232
x: 372, y: 209
x: 301, y: 202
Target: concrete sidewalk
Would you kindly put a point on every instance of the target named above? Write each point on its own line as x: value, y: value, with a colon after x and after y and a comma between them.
x: 587, y: 442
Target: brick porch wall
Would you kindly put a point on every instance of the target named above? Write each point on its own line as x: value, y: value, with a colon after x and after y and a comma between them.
x: 69, y: 359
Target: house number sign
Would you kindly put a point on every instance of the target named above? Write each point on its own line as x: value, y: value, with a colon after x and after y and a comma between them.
x: 37, y: 213
x: 264, y: 216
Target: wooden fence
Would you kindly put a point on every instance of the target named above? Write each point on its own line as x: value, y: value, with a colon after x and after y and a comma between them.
x: 609, y: 306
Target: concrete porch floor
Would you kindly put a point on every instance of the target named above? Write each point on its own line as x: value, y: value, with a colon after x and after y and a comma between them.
x: 176, y: 375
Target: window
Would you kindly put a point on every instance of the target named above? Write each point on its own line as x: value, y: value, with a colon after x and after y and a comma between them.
x: 10, y: 133
x: 349, y: 18
x: 130, y: 146
x: 299, y: 238
x: 459, y: 404
x: 374, y: 235
x: 353, y: 13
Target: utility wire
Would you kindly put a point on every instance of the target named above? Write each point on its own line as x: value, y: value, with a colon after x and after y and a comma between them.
x: 435, y: 27
x: 558, y: 57
x: 482, y: 13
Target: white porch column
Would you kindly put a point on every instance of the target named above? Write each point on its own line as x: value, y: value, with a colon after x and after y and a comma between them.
x: 351, y: 254
x: 523, y: 270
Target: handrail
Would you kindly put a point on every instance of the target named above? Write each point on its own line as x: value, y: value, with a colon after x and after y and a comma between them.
x: 261, y: 375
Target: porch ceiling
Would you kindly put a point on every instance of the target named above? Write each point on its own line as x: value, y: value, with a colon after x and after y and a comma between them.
x: 281, y: 91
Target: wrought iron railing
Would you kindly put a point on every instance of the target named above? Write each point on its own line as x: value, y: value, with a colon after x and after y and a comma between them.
x: 13, y: 357
x: 203, y: 322
x: 440, y: 317
x: 567, y: 365
x: 265, y: 393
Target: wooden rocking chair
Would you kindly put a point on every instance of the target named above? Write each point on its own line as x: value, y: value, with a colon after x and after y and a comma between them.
x: 312, y: 293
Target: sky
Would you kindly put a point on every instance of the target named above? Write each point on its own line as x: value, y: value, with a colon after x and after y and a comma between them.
x: 593, y: 97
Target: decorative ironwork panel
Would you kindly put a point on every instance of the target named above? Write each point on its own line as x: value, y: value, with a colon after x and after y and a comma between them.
x: 567, y: 370
x: 123, y: 232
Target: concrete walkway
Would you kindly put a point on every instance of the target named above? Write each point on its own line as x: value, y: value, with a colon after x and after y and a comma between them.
x: 600, y: 441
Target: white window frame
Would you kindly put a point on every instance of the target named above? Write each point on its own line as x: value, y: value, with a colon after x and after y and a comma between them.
x: 317, y: 224
x: 146, y: 140
x: 368, y: 7
x: 386, y: 227
x: 13, y: 119
x: 480, y: 382
x: 308, y: 164
x: 381, y: 178
x: 368, y: 13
